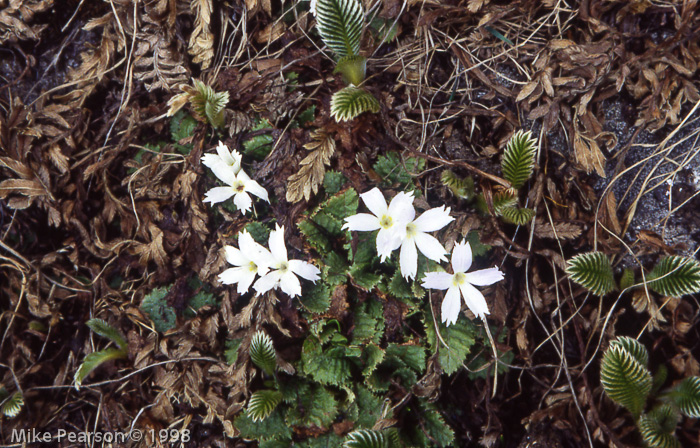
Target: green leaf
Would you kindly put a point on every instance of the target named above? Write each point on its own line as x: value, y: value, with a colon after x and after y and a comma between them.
x: 231, y: 352
x: 182, y: 126
x: 479, y: 249
x: 158, y: 310
x: 199, y: 300
x: 412, y: 356
x: 461, y: 187
x: 369, y: 322
x: 350, y: 102
x: 519, y: 158
x: 353, y: 69
x: 259, y: 147
x: 333, y: 182
x: 370, y: 407
x: 307, y: 115
x: 12, y: 406
x: 516, y: 215
x: 324, y: 441
x: 624, y: 374
x: 328, y: 366
x: 105, y: 330
x: 459, y: 337
x: 93, y: 360
x: 335, y: 269
x: 394, y: 170
x: 311, y: 406
x: 504, y: 199
x: 437, y: 429
x: 366, y: 438
x: 627, y: 279
x: 209, y: 104
x: 262, y: 403
x: 385, y: 29
x: 686, y: 395
x: 316, y: 298
x: 372, y: 356
x: 339, y: 22
x: 262, y: 352
x: 675, y: 276
x: 272, y: 428
x: 657, y: 427
x: 259, y: 231
x: 323, y: 228
x: 593, y: 271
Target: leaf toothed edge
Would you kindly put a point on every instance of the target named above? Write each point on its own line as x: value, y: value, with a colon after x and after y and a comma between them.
x: 350, y: 102
x: 687, y: 396
x: 339, y: 23
x: 624, y: 375
x: 105, y: 330
x: 593, y: 271
x: 94, y: 360
x: 262, y: 403
x: 519, y: 158
x: 675, y: 276
x: 13, y: 405
x: 366, y: 438
x: 657, y: 427
x: 262, y: 352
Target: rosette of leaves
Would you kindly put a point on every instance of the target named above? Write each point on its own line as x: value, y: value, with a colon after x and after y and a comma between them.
x: 207, y: 104
x: 340, y: 23
x: 593, y: 271
x: 95, y: 359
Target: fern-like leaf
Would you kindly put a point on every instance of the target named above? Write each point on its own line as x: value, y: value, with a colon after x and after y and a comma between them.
x: 687, y: 396
x: 339, y: 23
x: 208, y: 104
x: 657, y: 427
x: 93, y: 360
x: 350, y: 102
x: 366, y: 438
x: 592, y: 271
x: 516, y: 215
x: 262, y: 352
x: 519, y: 158
x: 104, y: 329
x: 12, y: 406
x: 625, y: 379
x: 503, y: 199
x: 262, y: 403
x: 463, y: 188
x: 675, y: 276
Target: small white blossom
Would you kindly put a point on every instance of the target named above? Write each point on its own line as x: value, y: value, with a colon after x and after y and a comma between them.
x: 284, y: 271
x: 391, y: 221
x: 416, y: 235
x: 223, y: 162
x: 462, y: 282
x: 250, y: 260
x: 239, y: 185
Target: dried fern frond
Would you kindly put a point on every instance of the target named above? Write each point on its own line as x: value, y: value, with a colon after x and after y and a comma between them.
x: 519, y: 158
x: 339, y: 23
x: 675, y: 276
x: 262, y: 403
x: 593, y: 271
x: 262, y: 352
x: 201, y: 45
x: 313, y: 167
x: 350, y: 102
x: 624, y: 374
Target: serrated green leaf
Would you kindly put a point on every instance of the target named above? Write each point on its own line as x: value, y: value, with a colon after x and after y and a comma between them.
x: 259, y: 231
x: 312, y: 406
x: 686, y: 395
x: 339, y: 22
x: 272, y: 428
x: 316, y: 298
x: 459, y: 337
x: 627, y: 279
x: 463, y: 188
x: 412, y: 356
x: 372, y: 356
x: 519, y: 158
x: 208, y: 104
x: 333, y: 182
x: 105, y: 330
x: 94, y: 359
x: 366, y: 438
x: 624, y: 375
x: 516, y: 215
x: 394, y: 170
x: 478, y: 248
x: 262, y: 403
x: 158, y: 310
x: 307, y: 115
x: 369, y: 322
x: 504, y: 199
x: 593, y: 271
x: 350, y: 102
x: 231, y: 352
x: 329, y: 366
x: 675, y: 276
x: 259, y: 147
x: 262, y: 352
x: 182, y: 126
x: 324, y: 441
x: 437, y: 429
x: 657, y: 427
x: 12, y: 406
x: 199, y: 300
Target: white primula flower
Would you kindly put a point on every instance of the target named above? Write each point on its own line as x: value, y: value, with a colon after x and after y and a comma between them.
x: 239, y: 185
x: 391, y: 221
x: 416, y: 235
x: 284, y: 272
x: 250, y: 259
x: 223, y: 161
x: 463, y: 282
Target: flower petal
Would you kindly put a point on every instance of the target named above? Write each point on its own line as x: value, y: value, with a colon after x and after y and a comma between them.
x: 235, y: 256
x: 437, y: 280
x: 375, y: 202
x: 450, y: 306
x: 289, y: 283
x: 475, y: 300
x: 276, y: 244
x: 401, y: 208
x: 408, y: 259
x: 484, y: 277
x: 387, y: 242
x: 461, y: 257
x: 255, y: 188
x: 218, y: 194
x: 224, y: 173
x: 433, y: 219
x: 230, y: 158
x: 267, y: 282
x: 362, y: 222
x: 304, y: 270
x: 430, y: 246
x: 210, y: 160
x: 243, y: 276
x: 243, y: 201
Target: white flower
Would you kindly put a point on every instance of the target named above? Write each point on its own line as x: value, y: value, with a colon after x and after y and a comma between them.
x: 391, y: 221
x: 312, y: 7
x: 223, y: 162
x: 250, y: 260
x: 239, y: 185
x: 284, y: 272
x: 461, y: 281
x: 415, y: 235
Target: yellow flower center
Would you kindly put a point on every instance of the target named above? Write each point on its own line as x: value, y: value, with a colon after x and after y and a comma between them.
x: 459, y: 279
x: 411, y: 229
x: 386, y: 221
x: 252, y: 267
x: 238, y: 186
x: 284, y: 267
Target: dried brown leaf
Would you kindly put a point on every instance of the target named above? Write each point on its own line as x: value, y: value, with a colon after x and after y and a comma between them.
x: 307, y: 180
x: 201, y: 45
